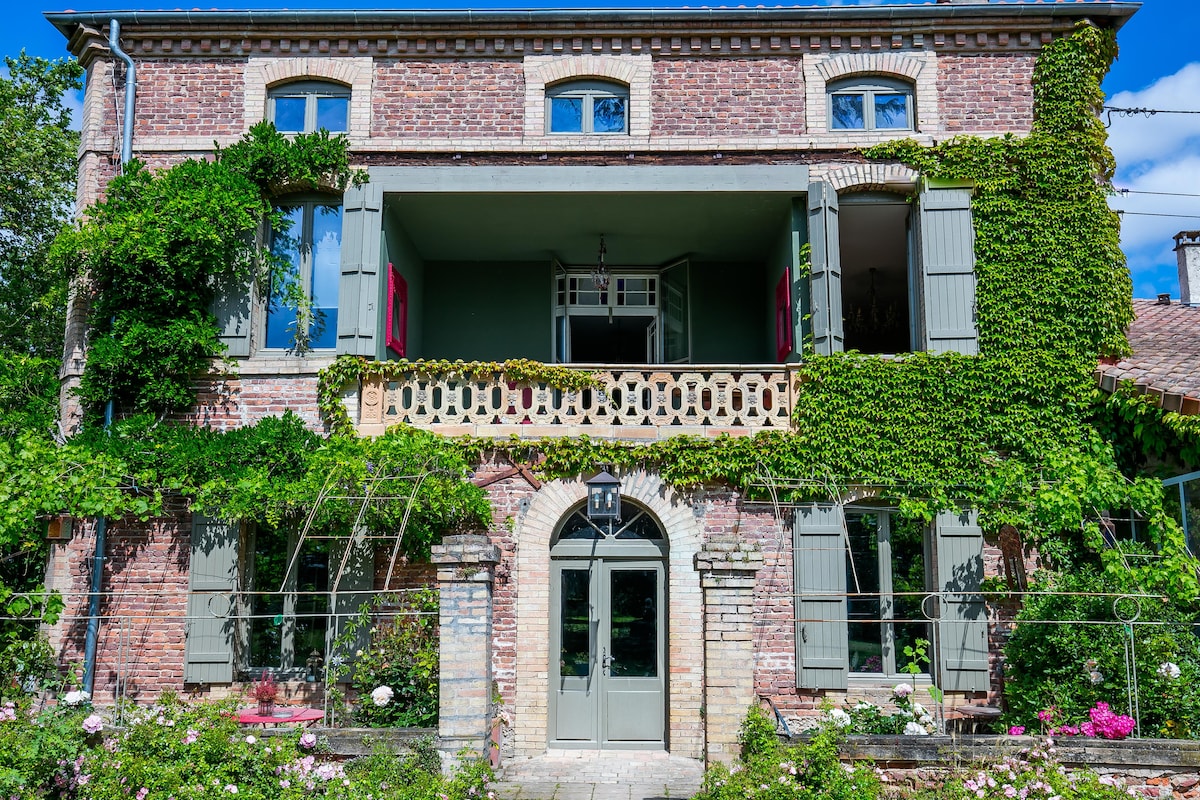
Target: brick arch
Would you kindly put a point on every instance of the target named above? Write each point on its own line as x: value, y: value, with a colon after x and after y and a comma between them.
x: 632, y: 70
x: 262, y: 74
x: 917, y: 67
x: 873, y: 177
x: 535, y: 528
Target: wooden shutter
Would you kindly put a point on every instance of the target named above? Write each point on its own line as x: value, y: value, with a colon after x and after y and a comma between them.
x: 947, y: 263
x: 361, y: 300
x: 822, y: 651
x: 962, y: 635
x: 352, y: 580
x: 211, y: 614
x: 826, y: 277
x: 232, y: 308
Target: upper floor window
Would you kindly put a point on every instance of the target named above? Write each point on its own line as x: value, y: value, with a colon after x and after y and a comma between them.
x: 587, y: 107
x: 870, y: 103
x: 308, y: 253
x: 306, y: 106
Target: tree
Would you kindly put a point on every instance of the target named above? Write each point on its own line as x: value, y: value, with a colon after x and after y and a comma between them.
x: 37, y: 188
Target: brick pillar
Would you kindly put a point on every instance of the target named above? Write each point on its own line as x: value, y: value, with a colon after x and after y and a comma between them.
x: 727, y: 569
x: 465, y: 564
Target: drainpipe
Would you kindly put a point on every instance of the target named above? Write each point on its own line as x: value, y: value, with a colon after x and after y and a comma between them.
x: 93, y: 623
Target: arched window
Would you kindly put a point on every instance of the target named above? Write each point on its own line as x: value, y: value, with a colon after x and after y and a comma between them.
x: 871, y: 103
x: 587, y: 107
x: 307, y: 106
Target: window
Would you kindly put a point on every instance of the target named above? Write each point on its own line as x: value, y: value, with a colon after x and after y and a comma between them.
x: 886, y: 576
x: 308, y: 106
x: 308, y: 253
x: 287, y: 585
x: 870, y: 104
x: 587, y: 107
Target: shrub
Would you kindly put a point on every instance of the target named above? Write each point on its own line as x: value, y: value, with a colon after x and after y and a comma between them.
x: 1034, y: 775
x: 1078, y: 661
x: 771, y: 771
x: 38, y: 752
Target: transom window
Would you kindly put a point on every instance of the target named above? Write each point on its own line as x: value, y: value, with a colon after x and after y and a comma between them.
x: 870, y: 103
x: 307, y: 106
x: 587, y: 107
x: 303, y: 306
x: 886, y: 581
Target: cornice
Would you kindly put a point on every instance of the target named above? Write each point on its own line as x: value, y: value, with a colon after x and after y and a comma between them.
x: 208, y: 38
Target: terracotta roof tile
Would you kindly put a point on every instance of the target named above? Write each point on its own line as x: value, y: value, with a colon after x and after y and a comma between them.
x: 1166, y: 356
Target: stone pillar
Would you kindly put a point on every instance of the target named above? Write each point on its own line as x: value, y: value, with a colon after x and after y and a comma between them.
x: 1187, y: 255
x: 727, y: 569
x: 465, y: 566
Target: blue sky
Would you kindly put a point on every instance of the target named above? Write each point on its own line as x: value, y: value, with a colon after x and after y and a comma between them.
x: 1158, y: 156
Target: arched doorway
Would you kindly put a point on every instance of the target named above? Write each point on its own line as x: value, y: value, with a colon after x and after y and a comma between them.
x: 608, y: 632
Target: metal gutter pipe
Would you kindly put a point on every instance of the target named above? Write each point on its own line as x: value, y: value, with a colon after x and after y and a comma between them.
x: 93, y: 623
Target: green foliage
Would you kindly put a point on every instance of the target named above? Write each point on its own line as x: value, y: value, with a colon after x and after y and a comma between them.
x: 199, y: 751
x: 37, y: 187
x: 28, y: 395
x: 1068, y: 652
x: 402, y: 655
x: 770, y: 771
x: 281, y: 164
x: 1034, y: 774
x: 1147, y: 438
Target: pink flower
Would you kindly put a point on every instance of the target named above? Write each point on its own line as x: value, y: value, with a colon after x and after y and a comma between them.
x: 308, y: 740
x: 93, y: 724
x: 1016, y: 730
x: 1045, y: 715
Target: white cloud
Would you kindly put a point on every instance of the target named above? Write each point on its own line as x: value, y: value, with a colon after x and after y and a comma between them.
x: 1159, y: 153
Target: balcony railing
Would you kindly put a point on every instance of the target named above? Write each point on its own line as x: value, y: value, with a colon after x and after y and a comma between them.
x: 637, y: 402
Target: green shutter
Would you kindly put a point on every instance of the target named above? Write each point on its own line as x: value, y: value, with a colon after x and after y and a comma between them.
x: 352, y: 581
x: 947, y: 263
x: 361, y: 302
x: 825, y: 281
x: 822, y: 652
x: 962, y: 635
x: 231, y: 307
x: 211, y: 612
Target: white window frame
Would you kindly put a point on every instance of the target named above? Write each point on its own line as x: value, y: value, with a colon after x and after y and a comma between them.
x: 868, y: 87
x: 311, y: 91
x: 589, y: 91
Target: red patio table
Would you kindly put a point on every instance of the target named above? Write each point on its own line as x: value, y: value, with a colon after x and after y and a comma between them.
x: 282, y: 716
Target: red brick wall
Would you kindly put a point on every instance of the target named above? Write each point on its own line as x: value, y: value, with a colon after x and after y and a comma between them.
x: 986, y: 92
x: 728, y: 97
x: 237, y: 402
x: 189, y: 98
x: 448, y: 98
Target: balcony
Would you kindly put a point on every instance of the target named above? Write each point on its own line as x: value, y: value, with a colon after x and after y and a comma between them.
x: 628, y: 403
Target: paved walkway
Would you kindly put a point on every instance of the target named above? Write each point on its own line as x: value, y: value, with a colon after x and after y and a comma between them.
x: 600, y: 775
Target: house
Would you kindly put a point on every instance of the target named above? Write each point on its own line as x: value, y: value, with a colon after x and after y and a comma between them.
x: 675, y: 199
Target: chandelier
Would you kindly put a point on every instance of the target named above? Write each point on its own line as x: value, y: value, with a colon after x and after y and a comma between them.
x: 600, y: 273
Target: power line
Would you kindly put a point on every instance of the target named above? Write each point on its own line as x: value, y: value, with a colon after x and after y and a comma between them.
x: 1144, y: 112
x: 1124, y: 192
x: 1152, y: 214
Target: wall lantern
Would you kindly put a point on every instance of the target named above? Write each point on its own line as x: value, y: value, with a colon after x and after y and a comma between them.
x: 604, y: 497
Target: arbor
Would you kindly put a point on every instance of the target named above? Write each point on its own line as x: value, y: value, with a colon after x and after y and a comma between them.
x: 37, y: 188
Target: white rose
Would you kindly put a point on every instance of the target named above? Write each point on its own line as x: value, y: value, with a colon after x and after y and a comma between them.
x: 382, y: 695
x: 914, y: 729
x: 902, y: 690
x: 839, y: 717
x: 76, y: 698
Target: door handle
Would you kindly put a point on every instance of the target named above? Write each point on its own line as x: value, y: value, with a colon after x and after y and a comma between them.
x: 606, y: 660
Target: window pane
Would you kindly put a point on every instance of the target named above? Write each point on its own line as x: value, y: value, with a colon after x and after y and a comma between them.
x: 312, y: 602
x: 332, y: 113
x: 575, y: 649
x: 891, y: 111
x: 847, y: 111
x: 326, y: 273
x: 633, y: 626
x: 908, y: 587
x: 285, y: 246
x: 862, y: 586
x: 608, y: 115
x: 566, y: 115
x: 289, y: 114
x: 266, y: 605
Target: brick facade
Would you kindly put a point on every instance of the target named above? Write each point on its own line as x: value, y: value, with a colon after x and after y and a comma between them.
x: 735, y: 96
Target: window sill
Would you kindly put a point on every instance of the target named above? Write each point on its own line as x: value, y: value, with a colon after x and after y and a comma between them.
x: 278, y: 363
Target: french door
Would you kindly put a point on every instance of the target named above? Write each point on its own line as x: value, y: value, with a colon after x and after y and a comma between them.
x: 608, y: 656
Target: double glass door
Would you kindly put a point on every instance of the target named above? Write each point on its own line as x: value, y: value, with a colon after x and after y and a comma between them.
x: 608, y: 653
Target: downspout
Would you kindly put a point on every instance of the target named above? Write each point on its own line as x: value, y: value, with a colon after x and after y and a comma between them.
x: 93, y: 623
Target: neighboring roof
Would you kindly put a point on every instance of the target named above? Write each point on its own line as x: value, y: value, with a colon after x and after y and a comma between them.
x: 1165, y: 338
x: 1117, y: 12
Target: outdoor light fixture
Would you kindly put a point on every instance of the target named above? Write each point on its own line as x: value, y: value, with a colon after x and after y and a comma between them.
x: 600, y: 271
x: 604, y: 497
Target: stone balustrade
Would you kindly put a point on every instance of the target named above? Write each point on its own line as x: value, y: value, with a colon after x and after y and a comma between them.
x: 638, y: 402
